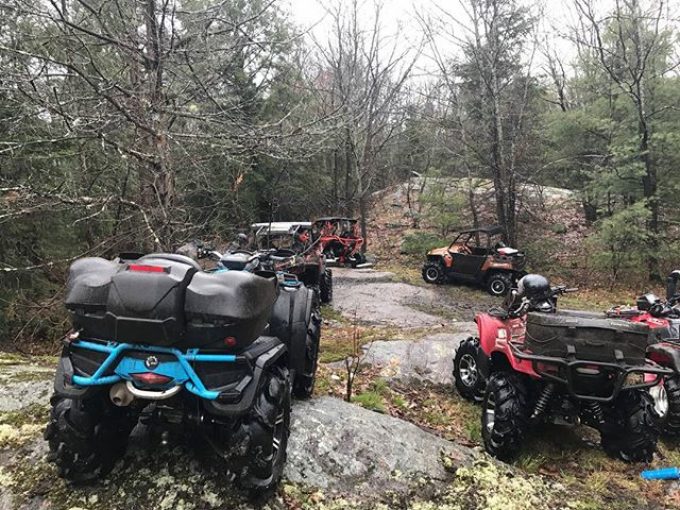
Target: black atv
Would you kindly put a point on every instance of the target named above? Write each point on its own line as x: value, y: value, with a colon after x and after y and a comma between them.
x: 213, y: 353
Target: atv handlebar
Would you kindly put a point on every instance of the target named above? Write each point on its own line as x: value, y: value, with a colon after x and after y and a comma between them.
x: 545, y: 303
x: 562, y: 289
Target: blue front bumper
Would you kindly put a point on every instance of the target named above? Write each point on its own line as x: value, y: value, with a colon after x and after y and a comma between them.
x: 124, y: 367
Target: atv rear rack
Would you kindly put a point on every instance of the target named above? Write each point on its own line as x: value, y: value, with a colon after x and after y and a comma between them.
x: 572, y: 365
x: 179, y: 372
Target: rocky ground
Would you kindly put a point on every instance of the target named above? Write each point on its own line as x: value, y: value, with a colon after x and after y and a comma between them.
x: 405, y: 440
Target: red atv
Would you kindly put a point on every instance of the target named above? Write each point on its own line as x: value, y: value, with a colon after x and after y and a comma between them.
x: 663, y: 320
x: 533, y: 365
x: 340, y: 239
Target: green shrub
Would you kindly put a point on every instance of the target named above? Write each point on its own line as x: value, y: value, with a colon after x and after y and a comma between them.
x: 621, y: 243
x: 418, y: 243
x: 540, y: 252
x: 370, y: 400
x: 443, y: 206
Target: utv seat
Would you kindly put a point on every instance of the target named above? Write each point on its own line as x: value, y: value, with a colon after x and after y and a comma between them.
x: 174, y: 257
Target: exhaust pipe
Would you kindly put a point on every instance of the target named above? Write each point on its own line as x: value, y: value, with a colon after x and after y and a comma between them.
x: 120, y: 395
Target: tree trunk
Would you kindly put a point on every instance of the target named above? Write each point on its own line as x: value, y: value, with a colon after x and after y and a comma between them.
x: 498, y: 163
x: 158, y: 190
x: 349, y: 156
x: 649, y: 180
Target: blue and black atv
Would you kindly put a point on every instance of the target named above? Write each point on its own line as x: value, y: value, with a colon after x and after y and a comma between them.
x: 160, y: 341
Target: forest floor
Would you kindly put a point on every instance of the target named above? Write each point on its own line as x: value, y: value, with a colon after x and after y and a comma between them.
x: 405, y: 441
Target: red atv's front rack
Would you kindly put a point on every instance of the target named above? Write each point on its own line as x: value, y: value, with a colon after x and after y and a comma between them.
x: 571, y: 371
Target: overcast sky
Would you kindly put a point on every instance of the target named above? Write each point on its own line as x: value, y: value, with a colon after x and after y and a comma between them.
x: 399, y: 16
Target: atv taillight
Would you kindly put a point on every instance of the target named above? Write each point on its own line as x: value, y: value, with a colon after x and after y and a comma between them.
x: 150, y: 379
x: 142, y: 268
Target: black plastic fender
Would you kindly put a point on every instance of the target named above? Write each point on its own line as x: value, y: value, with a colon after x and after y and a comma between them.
x: 289, y: 322
x: 62, y: 380
x: 483, y: 364
x: 260, y: 365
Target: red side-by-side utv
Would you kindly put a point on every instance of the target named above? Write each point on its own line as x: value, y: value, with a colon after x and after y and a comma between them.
x: 341, y: 240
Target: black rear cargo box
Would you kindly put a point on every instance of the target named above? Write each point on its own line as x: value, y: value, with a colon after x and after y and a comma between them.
x: 147, y: 306
x: 586, y: 336
x: 139, y: 302
x: 164, y: 299
x: 228, y: 304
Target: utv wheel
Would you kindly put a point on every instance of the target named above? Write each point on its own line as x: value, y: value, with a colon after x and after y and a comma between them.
x: 86, y: 437
x: 433, y: 272
x: 505, y: 415
x: 630, y: 430
x: 303, y: 386
x: 262, y: 437
x: 499, y: 284
x: 326, y: 287
x: 669, y: 395
x: 467, y: 378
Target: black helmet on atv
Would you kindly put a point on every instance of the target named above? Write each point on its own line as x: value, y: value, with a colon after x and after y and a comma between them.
x: 533, y: 286
x: 536, y: 288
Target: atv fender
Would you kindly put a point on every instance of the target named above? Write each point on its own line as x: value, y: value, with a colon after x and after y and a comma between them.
x: 488, y: 327
x: 495, y: 344
x: 62, y: 380
x: 261, y: 364
x: 289, y: 322
x: 665, y: 354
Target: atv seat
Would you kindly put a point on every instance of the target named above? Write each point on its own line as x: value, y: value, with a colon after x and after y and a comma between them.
x: 174, y: 257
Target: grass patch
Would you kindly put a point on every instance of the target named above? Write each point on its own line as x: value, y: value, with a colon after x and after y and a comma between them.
x: 370, y: 400
x: 329, y: 313
x: 596, y: 299
x: 410, y: 273
x: 380, y: 386
x: 438, y: 409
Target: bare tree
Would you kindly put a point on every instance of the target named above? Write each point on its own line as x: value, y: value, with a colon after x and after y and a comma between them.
x: 366, y: 73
